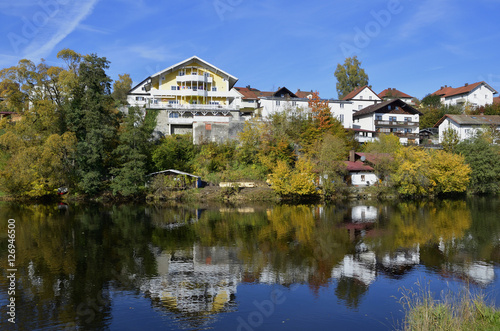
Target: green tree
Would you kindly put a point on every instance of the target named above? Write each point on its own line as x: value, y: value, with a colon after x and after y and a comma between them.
x: 131, y: 154
x: 450, y: 140
x: 175, y: 152
x: 350, y: 76
x: 121, y: 88
x: 484, y: 160
x: 431, y: 100
x: 93, y: 118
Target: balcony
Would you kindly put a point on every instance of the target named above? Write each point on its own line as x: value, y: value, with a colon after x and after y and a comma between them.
x: 194, y: 78
x: 407, y: 135
x: 395, y: 123
x: 164, y: 105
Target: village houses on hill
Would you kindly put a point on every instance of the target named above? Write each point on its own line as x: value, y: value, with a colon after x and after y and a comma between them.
x: 194, y: 96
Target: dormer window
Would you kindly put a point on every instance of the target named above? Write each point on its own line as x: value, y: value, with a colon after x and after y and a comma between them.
x: 182, y: 72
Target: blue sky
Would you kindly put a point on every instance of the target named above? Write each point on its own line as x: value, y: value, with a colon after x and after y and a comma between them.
x: 415, y: 46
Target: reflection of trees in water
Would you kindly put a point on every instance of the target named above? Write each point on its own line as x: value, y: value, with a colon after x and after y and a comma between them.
x: 78, y: 257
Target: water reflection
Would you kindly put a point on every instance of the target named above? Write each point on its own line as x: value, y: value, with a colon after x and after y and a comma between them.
x: 190, y: 262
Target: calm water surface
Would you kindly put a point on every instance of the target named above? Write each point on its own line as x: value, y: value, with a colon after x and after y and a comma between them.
x: 247, y: 268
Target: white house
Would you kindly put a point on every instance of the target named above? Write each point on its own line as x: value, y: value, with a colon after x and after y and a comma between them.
x: 467, y: 126
x: 362, y: 97
x: 390, y: 117
x: 477, y: 94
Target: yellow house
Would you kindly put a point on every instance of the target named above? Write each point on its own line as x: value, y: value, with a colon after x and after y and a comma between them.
x: 192, y: 96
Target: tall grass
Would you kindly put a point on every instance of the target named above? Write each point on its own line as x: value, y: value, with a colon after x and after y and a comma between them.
x: 454, y: 311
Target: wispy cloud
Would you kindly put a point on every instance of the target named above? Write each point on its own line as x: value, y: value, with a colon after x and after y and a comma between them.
x: 428, y: 13
x: 64, y: 20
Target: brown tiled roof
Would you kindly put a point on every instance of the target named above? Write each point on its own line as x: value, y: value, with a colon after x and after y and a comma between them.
x: 352, y: 94
x: 248, y: 92
x: 303, y: 94
x: 471, y: 119
x: 357, y: 166
x: 356, y: 91
x: 392, y: 92
x: 374, y: 158
x: 449, y: 91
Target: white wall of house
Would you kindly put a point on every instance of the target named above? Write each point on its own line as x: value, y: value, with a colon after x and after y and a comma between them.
x: 367, y: 122
x: 464, y: 131
x: 363, y: 178
x: 342, y: 111
x: 480, y: 96
x: 277, y: 105
x: 364, y: 99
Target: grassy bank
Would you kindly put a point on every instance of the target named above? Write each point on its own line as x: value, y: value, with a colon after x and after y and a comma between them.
x: 454, y: 311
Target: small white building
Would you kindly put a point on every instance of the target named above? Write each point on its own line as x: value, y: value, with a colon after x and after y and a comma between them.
x: 477, y: 94
x: 467, y: 126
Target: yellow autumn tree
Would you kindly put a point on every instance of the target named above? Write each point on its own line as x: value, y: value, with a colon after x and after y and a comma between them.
x: 421, y: 172
x: 298, y: 181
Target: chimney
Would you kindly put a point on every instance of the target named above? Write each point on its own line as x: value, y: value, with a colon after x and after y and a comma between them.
x: 442, y: 87
x: 248, y: 86
x: 298, y: 90
x: 466, y: 84
x: 352, y: 155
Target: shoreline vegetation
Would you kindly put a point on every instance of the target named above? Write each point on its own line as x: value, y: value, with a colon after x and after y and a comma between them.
x: 76, y: 133
x: 464, y: 310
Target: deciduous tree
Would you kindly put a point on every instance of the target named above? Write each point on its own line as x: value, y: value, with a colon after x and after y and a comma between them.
x: 350, y: 76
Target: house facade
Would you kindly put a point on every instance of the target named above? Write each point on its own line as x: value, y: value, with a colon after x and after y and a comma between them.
x: 362, y: 97
x: 477, y: 94
x: 192, y: 96
x: 467, y: 126
x: 390, y: 117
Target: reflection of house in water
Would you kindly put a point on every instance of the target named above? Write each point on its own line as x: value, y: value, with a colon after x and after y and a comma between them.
x: 478, y: 272
x: 360, y: 266
x: 400, y: 262
x: 196, y: 283
x: 363, y: 214
x: 175, y: 218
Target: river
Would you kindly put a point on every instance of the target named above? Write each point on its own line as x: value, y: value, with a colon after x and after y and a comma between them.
x: 253, y: 267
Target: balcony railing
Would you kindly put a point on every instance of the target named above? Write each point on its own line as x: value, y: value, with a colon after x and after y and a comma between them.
x: 395, y: 123
x: 407, y: 135
x: 194, y: 78
x: 163, y: 105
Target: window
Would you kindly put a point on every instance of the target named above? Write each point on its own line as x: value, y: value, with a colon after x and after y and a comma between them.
x: 173, y: 102
x: 195, y: 88
x: 194, y: 102
x: 194, y: 72
x: 362, y: 178
x: 294, y: 103
x: 214, y: 89
x: 360, y: 107
x: 173, y: 115
x: 214, y: 102
x: 407, y: 119
x: 392, y: 118
x: 341, y: 118
x: 162, y: 77
x: 389, y: 107
x: 139, y: 98
x: 341, y: 105
x: 206, y: 74
x: 277, y: 102
x: 475, y: 95
x: 370, y: 97
x: 182, y: 72
x: 173, y: 88
x: 378, y: 117
x: 486, y: 96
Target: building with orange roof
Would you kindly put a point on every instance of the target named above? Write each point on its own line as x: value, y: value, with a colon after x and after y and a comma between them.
x: 477, y: 94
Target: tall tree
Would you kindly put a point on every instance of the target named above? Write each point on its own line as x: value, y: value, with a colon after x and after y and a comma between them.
x: 93, y: 118
x: 121, y: 88
x: 132, y: 154
x: 349, y: 76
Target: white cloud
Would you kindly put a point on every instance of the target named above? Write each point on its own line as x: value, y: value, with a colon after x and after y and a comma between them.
x: 62, y: 21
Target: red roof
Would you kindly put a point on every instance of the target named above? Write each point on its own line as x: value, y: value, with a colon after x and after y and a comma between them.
x: 449, y: 91
x: 392, y: 92
x: 357, y: 166
x: 248, y: 92
x: 303, y: 94
x: 354, y: 93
